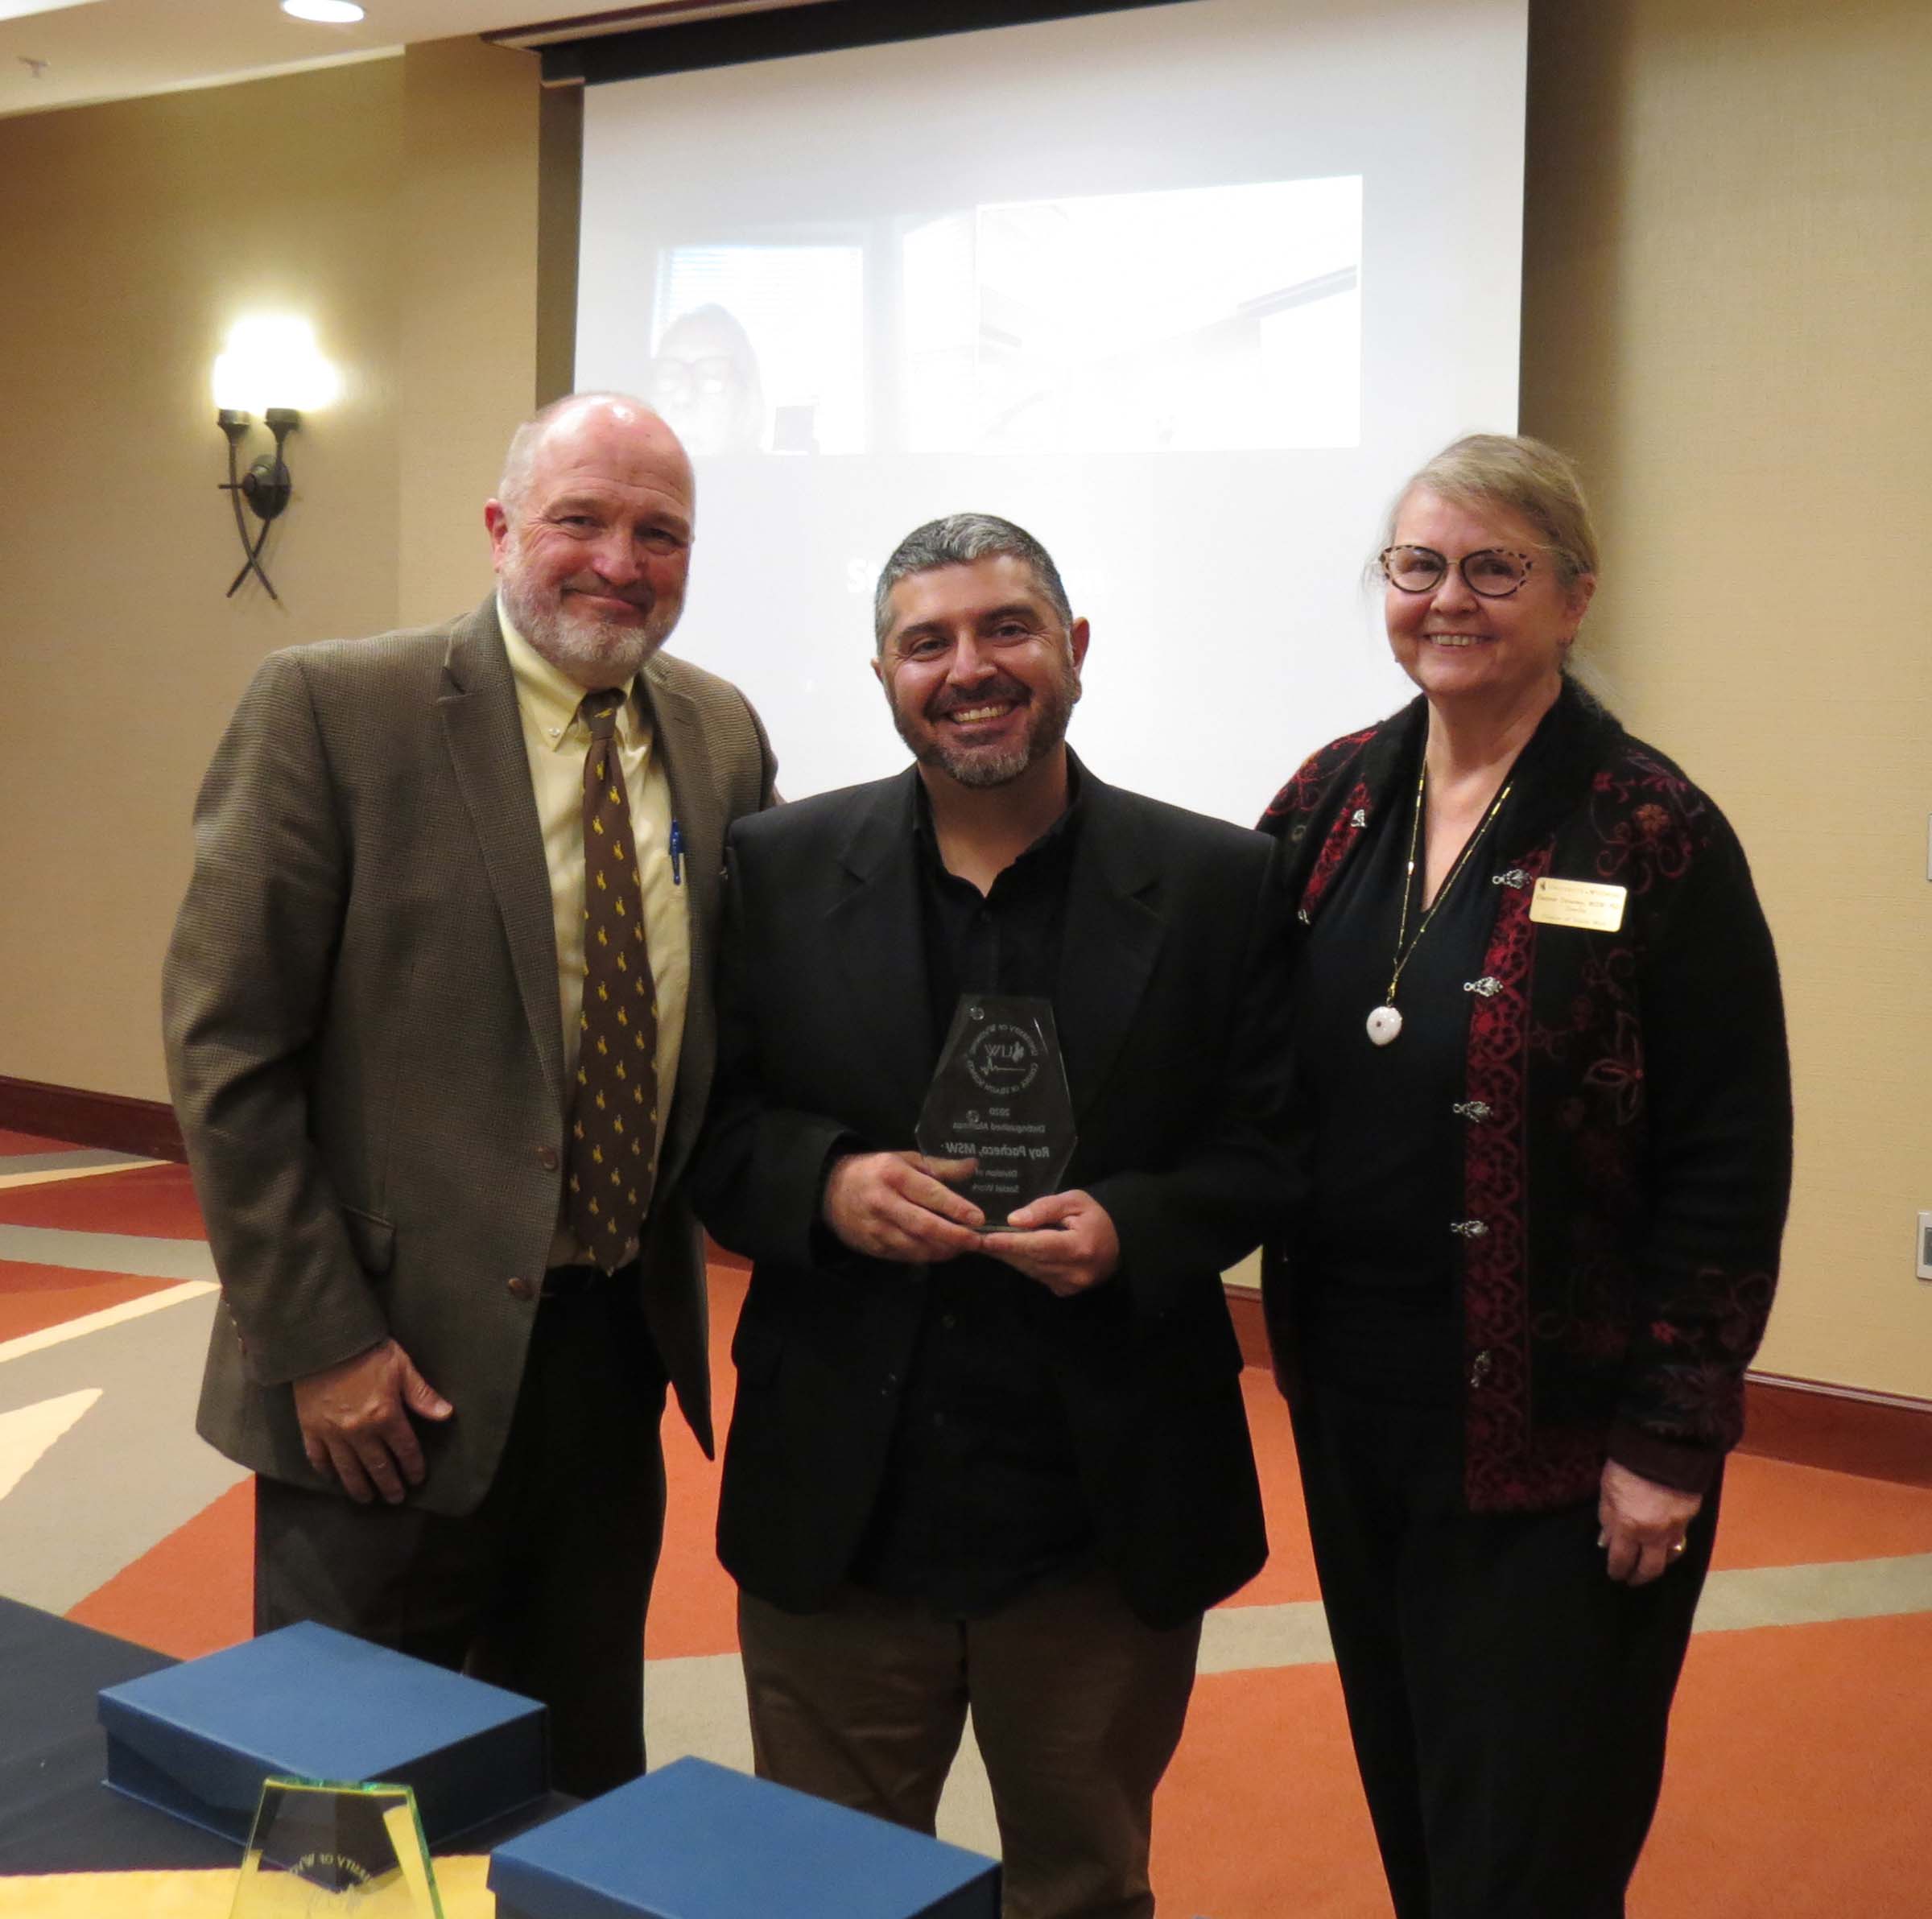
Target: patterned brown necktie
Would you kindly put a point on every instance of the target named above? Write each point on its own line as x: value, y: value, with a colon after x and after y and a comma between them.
x: 614, y: 1120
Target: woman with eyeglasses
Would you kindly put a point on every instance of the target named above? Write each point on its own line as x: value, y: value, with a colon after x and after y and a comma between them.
x: 1544, y: 1050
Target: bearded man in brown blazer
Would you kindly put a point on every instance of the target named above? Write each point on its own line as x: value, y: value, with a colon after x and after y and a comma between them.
x: 390, y: 1041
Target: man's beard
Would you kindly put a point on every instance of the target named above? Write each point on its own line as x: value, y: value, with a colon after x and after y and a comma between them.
x: 599, y: 653
x: 1047, y: 713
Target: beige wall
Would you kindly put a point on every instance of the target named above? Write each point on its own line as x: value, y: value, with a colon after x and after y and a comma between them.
x: 467, y: 322
x: 1728, y: 275
x: 394, y: 203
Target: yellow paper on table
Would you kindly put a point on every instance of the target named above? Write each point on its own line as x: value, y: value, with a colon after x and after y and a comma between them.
x: 199, y: 1894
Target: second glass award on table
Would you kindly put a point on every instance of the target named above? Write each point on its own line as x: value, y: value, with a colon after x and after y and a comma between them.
x: 999, y: 1098
x: 321, y: 1850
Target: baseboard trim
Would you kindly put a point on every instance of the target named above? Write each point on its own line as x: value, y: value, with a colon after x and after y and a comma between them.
x: 147, y: 1127
x: 1805, y: 1422
x: 1877, y: 1435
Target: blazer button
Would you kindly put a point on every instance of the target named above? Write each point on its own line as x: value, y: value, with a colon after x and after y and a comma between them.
x: 546, y: 1158
x: 520, y: 1288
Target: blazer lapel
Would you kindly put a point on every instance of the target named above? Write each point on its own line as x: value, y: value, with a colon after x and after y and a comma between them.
x: 872, y: 928
x: 1113, y: 931
x: 478, y: 706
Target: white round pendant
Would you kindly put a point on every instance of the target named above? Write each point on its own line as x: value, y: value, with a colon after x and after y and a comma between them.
x: 1384, y: 1024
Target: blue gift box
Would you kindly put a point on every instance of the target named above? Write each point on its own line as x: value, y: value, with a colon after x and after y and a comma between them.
x: 197, y: 1740
x: 696, y: 1841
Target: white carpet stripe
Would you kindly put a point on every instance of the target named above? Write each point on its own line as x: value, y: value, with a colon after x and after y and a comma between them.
x: 56, y: 1175
x: 155, y: 1258
x: 1246, y: 1638
x: 112, y: 1315
x: 690, y: 1692
x: 1239, y: 1639
x: 1806, y: 1595
x: 27, y: 1432
x: 75, y: 1157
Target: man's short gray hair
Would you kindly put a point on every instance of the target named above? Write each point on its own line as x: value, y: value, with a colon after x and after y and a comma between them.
x: 958, y: 540
x: 522, y: 452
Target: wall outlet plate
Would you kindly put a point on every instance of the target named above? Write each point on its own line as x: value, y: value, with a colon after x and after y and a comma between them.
x: 1925, y: 1245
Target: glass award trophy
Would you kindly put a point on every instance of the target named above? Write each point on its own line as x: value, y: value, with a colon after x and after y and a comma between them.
x: 999, y: 1098
x: 331, y: 1851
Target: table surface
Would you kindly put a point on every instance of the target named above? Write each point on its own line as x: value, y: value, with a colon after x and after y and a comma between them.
x: 55, y: 1814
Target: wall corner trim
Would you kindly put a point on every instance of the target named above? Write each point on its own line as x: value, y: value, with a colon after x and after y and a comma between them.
x: 146, y: 1127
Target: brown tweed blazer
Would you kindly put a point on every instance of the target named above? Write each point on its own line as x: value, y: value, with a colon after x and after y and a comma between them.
x: 364, y: 1045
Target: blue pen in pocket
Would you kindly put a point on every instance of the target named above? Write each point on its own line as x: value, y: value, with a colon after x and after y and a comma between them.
x: 677, y: 854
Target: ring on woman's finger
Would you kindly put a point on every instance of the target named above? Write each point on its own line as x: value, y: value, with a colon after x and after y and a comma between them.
x: 1679, y: 1548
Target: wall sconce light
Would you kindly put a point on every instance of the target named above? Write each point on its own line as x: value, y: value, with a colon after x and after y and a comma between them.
x: 271, y: 366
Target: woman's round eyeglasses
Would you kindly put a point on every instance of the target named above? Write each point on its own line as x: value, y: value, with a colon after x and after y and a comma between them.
x: 1492, y: 572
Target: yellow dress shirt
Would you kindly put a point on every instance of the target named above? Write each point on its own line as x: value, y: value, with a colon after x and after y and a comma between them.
x: 555, y: 740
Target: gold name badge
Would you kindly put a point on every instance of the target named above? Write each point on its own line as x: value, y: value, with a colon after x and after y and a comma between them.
x: 1578, y: 903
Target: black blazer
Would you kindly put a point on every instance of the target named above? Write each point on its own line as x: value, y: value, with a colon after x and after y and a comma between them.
x: 1170, y: 1013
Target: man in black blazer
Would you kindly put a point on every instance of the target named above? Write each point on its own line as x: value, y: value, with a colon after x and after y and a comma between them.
x: 1008, y: 1471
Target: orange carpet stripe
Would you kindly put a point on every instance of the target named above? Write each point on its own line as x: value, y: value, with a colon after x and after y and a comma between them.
x: 1290, y: 1574
x: 1796, y: 1785
x: 191, y: 1594
x: 693, y: 1605
x: 31, y: 1142
x: 1261, y: 1814
x: 1778, y: 1514
x: 150, y: 1202
x: 34, y: 1297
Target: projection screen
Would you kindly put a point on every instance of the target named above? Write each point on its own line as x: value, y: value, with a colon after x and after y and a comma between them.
x: 1186, y: 290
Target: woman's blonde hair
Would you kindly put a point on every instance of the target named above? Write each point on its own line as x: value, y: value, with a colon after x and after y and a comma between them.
x: 1529, y: 478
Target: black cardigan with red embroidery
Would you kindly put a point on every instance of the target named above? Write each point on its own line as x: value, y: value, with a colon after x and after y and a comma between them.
x: 1627, y: 1152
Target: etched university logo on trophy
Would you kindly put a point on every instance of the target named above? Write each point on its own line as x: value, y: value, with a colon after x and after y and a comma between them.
x: 322, y: 1850
x: 999, y: 1098
x: 1003, y: 1059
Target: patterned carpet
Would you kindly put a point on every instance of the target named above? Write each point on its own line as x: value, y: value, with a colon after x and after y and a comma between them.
x: 1799, y: 1786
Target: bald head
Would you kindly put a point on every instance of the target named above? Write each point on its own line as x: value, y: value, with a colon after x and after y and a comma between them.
x: 573, y: 415
x: 591, y: 530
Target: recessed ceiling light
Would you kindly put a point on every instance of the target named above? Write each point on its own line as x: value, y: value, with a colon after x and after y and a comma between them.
x: 331, y: 13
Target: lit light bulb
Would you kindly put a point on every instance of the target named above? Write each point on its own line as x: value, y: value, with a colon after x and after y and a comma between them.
x: 272, y: 359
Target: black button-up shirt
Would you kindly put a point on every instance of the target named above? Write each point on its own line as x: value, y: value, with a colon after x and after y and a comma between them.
x: 1379, y: 1285
x: 981, y: 1498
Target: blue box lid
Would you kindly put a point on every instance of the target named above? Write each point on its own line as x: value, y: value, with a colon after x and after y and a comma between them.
x: 199, y: 1737
x: 698, y: 1841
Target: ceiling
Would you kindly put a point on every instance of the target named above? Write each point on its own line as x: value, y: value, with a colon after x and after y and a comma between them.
x: 116, y: 49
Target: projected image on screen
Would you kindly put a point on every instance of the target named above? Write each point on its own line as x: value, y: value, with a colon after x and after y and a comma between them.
x: 1184, y: 290
x: 759, y: 348
x: 1212, y: 320
x: 1206, y: 320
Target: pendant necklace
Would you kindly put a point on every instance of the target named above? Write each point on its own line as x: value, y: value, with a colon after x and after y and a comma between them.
x: 1385, y: 1022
